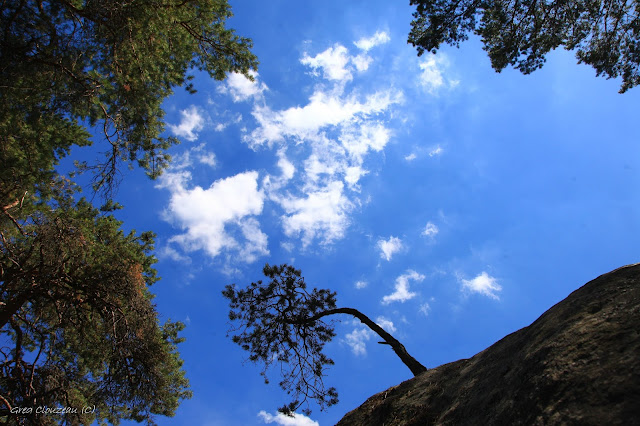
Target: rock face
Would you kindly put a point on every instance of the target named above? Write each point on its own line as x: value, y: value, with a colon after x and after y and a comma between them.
x: 578, y: 364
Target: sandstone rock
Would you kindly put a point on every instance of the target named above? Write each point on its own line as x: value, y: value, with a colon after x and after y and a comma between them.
x: 578, y: 364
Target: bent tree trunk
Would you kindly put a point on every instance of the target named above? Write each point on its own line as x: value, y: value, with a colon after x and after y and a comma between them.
x: 413, y: 364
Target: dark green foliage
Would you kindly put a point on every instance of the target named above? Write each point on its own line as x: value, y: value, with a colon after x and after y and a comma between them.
x: 282, y: 322
x: 77, y: 322
x: 275, y: 328
x: 520, y: 33
x: 75, y: 305
x: 109, y: 64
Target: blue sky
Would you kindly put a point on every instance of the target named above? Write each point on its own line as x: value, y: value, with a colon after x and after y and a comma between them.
x: 452, y: 204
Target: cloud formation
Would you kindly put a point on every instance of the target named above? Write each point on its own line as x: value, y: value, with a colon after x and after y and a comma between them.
x: 333, y: 63
x: 321, y: 148
x: 241, y: 88
x: 389, y: 247
x: 433, y: 76
x: 367, y: 43
x: 192, y: 122
x: 359, y: 337
x: 483, y: 284
x: 219, y: 218
x: 322, y: 213
x: 430, y: 230
x: 401, y: 290
x: 281, y: 419
x: 331, y: 136
x: 361, y: 284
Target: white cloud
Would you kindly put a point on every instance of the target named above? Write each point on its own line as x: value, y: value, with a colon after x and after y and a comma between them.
x: 173, y: 254
x: 338, y: 65
x: 357, y: 339
x: 431, y: 230
x: 328, y: 139
x: 411, y: 157
x: 425, y: 308
x: 371, y: 136
x: 283, y: 420
x: 361, y: 284
x: 217, y: 219
x: 241, y: 88
x: 402, y: 293
x: 208, y: 158
x: 286, y: 166
x: 386, y: 324
x: 332, y: 61
x: 361, y: 62
x: 322, y: 213
x: 436, y: 151
x: 483, y: 284
x: 433, y: 77
x: 192, y: 122
x: 202, y: 155
x: 389, y: 247
x: 332, y: 164
x: 325, y: 109
x: 366, y: 44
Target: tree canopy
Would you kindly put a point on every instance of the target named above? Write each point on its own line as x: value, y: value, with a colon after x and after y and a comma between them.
x: 605, y: 34
x: 76, y: 307
x: 78, y: 327
x: 284, y: 323
x: 68, y: 64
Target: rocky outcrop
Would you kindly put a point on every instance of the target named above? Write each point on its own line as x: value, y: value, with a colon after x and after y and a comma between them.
x: 578, y: 364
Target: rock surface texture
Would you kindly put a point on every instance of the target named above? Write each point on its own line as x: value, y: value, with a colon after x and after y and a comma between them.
x: 578, y: 364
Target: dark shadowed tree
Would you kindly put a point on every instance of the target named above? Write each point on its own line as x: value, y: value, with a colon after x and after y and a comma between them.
x: 604, y: 33
x: 77, y: 324
x: 282, y: 322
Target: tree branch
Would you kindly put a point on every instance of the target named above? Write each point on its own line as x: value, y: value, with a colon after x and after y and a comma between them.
x: 413, y: 364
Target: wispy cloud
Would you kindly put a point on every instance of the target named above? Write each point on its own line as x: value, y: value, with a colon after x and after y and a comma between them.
x: 483, y: 284
x: 333, y: 62
x: 367, y: 43
x: 435, y: 151
x: 433, y: 76
x: 357, y: 340
x: 360, y: 335
x: 424, y: 309
x: 361, y: 284
x: 389, y: 247
x: 281, y: 419
x: 386, y: 324
x: 191, y: 123
x: 411, y: 157
x: 401, y: 290
x: 322, y: 213
x: 430, y: 230
x: 335, y: 131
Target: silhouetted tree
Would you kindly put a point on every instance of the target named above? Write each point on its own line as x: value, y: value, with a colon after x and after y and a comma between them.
x: 520, y: 33
x: 283, y: 322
